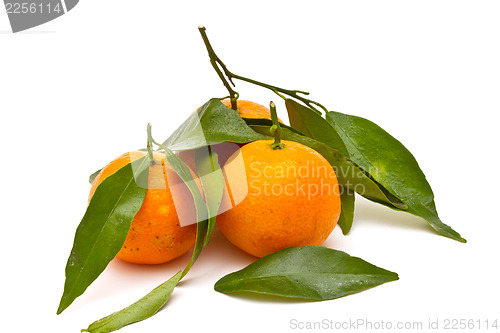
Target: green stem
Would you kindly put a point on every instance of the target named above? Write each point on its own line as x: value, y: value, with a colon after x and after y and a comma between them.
x: 152, y: 141
x: 292, y: 93
x: 150, y: 146
x: 276, y: 128
x: 215, y: 61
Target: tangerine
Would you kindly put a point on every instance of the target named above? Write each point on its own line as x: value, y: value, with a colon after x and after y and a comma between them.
x: 291, y: 198
x: 155, y: 235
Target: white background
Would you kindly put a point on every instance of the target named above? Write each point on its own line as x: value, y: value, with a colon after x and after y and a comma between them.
x: 78, y: 91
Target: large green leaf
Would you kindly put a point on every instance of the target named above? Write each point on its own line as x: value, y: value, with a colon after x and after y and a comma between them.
x: 212, y: 123
x: 310, y: 272
x: 390, y: 164
x: 140, y: 310
x: 104, y: 227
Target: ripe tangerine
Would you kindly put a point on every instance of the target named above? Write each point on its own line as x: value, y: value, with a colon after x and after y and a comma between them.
x: 155, y: 235
x: 293, y: 198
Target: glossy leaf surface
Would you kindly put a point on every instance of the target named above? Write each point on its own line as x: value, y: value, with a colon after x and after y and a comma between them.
x: 390, y: 164
x: 140, y: 310
x: 310, y: 272
x: 104, y: 227
x: 212, y: 123
x: 311, y: 124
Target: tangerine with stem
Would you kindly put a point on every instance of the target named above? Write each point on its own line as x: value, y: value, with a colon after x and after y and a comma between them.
x: 293, y: 196
x: 156, y: 235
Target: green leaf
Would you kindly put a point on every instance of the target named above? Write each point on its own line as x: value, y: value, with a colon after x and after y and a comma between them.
x: 212, y: 123
x: 104, y: 227
x: 348, y: 174
x: 92, y: 176
x: 311, y: 124
x: 140, y: 310
x: 310, y: 272
x: 347, y: 210
x: 390, y: 164
x: 212, y: 182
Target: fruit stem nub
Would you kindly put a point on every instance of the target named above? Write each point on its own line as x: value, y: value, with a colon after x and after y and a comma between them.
x: 276, y: 128
x: 150, y: 146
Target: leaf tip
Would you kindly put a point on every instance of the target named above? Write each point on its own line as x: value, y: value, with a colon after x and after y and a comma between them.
x: 390, y: 276
x: 219, y: 285
x: 345, y: 230
x: 62, y: 307
x: 452, y: 234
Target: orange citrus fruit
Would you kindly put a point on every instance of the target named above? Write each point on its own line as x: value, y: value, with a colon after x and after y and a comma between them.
x: 156, y: 235
x: 291, y: 198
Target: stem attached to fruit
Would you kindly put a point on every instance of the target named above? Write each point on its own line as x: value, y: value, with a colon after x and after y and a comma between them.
x: 276, y: 128
x: 214, y: 59
x: 150, y: 146
x: 152, y: 141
